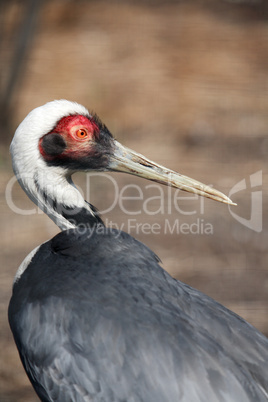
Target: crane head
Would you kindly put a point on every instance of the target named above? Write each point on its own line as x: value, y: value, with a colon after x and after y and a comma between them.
x: 64, y: 137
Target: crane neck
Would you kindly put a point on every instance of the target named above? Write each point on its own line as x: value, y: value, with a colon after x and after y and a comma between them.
x: 56, y: 195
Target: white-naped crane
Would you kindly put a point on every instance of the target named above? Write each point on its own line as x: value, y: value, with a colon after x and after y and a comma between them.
x: 93, y: 314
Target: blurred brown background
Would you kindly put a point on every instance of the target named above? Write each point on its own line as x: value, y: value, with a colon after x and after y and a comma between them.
x: 183, y: 82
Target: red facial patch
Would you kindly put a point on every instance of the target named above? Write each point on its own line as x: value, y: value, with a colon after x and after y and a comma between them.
x: 68, y: 125
x: 72, y: 137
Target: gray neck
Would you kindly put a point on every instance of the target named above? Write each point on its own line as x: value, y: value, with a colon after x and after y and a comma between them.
x: 63, y: 203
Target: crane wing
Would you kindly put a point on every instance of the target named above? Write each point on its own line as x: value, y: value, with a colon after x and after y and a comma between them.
x: 112, y: 325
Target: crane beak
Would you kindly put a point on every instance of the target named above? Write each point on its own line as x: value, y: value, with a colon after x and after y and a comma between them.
x: 125, y: 160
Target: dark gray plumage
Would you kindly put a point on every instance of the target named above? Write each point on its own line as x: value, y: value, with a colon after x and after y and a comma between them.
x: 112, y: 325
x: 94, y: 316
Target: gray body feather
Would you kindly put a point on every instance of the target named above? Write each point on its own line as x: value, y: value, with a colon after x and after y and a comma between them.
x: 112, y: 325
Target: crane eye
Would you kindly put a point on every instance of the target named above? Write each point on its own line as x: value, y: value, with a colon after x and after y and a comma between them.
x: 81, y: 133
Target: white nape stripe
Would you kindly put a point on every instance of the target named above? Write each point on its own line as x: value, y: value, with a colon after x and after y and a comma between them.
x: 25, y: 263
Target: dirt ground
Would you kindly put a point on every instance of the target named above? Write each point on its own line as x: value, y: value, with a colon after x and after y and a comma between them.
x: 186, y: 84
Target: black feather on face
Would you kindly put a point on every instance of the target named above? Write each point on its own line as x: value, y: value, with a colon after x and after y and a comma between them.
x: 102, y: 128
x: 53, y: 144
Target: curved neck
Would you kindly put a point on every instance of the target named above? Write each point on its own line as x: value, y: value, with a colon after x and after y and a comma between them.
x: 63, y: 203
x: 71, y: 216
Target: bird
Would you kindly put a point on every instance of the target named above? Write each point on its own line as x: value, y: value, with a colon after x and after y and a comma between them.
x: 93, y: 314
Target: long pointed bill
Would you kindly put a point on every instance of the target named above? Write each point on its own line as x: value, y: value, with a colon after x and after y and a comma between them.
x: 128, y: 161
